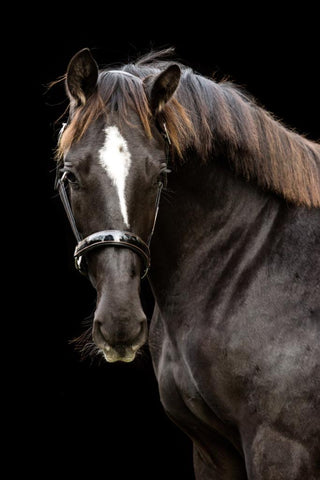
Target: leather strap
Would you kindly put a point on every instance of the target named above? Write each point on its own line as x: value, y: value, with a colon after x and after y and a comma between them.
x: 113, y: 238
x: 65, y: 201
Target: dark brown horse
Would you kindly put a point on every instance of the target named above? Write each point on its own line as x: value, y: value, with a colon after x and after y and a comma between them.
x: 235, y: 256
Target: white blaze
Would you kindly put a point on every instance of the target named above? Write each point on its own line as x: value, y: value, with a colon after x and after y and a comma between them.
x: 115, y: 158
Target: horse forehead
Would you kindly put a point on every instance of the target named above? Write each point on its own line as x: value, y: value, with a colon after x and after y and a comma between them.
x: 114, y: 152
x: 119, y: 143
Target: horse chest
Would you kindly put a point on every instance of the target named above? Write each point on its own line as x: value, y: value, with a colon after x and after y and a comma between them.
x: 184, y: 400
x: 180, y: 396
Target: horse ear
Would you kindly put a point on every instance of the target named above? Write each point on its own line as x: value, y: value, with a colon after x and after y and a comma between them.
x: 82, y: 75
x: 163, y: 87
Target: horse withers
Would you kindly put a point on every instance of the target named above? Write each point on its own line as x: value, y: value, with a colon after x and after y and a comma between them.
x: 229, y: 242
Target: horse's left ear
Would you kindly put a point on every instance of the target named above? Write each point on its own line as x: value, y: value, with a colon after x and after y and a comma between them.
x: 82, y: 75
x: 163, y: 87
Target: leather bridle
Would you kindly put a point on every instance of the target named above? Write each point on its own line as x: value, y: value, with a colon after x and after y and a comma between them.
x: 112, y: 238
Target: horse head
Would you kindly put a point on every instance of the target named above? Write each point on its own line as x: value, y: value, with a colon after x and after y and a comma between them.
x: 113, y: 156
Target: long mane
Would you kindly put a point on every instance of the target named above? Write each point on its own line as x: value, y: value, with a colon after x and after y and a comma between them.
x: 211, y: 119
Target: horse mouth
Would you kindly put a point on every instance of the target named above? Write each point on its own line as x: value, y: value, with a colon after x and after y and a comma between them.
x: 122, y: 353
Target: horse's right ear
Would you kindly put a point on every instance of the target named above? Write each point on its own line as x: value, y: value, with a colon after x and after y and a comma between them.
x: 82, y: 75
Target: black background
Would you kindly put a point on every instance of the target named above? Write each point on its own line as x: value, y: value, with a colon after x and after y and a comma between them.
x: 88, y: 417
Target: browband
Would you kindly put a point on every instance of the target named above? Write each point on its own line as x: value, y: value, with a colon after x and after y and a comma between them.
x: 124, y: 73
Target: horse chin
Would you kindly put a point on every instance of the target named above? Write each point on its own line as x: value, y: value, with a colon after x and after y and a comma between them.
x: 126, y: 354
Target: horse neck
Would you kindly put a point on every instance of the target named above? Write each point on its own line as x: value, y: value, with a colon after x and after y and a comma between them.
x: 207, y: 211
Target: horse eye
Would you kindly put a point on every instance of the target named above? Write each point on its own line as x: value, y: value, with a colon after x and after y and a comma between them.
x: 71, y: 177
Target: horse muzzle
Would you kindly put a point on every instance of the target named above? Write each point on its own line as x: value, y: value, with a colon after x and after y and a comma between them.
x: 119, y: 337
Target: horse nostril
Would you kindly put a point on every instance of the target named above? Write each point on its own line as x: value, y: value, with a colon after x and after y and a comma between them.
x: 141, y: 335
x: 99, y: 334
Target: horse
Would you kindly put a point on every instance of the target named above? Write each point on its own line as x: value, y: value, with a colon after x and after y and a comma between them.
x: 188, y: 182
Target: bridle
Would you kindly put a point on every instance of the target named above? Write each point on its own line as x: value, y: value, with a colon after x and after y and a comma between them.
x: 112, y: 238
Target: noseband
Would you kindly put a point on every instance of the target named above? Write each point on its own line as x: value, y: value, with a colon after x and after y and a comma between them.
x: 111, y: 238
